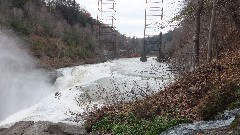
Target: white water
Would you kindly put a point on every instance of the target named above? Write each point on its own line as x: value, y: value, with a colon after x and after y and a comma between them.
x: 86, y: 86
x: 79, y: 88
x: 21, y: 83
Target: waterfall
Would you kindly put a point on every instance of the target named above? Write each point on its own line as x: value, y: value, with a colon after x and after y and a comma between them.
x: 21, y: 83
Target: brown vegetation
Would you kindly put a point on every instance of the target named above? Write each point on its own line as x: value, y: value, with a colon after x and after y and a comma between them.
x: 198, y: 95
x: 203, y: 92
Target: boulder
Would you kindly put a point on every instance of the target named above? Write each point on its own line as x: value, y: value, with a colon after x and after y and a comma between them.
x: 42, y: 128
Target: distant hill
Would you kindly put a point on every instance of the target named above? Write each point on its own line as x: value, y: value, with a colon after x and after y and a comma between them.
x: 59, y: 33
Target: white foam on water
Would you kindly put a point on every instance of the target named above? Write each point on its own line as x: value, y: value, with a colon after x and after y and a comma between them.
x: 81, y: 84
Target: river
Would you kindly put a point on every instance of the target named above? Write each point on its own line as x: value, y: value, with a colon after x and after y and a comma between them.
x: 79, y: 88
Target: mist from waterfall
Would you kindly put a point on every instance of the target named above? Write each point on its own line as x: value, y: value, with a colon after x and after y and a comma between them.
x: 21, y: 83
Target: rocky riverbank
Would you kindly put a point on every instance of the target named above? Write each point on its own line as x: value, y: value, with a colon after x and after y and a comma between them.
x: 233, y: 129
x: 42, y: 128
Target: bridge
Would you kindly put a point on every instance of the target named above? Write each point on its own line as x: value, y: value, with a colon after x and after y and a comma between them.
x: 106, y: 28
x: 152, y: 26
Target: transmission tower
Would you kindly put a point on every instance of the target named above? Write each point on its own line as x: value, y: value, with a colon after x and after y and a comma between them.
x: 153, y: 28
x: 106, y: 32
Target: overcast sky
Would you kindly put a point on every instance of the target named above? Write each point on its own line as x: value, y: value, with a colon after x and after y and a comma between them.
x: 130, y: 14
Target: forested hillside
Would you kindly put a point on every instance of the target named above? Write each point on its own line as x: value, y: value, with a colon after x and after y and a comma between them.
x: 192, y: 38
x: 59, y: 33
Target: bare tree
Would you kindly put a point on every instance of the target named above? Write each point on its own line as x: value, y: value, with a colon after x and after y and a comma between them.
x: 211, y: 31
x: 197, y: 32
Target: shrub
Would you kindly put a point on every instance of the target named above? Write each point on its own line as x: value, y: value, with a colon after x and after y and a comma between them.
x: 20, y: 27
x: 46, y: 30
x: 70, y: 51
x: 83, y: 52
x: 72, y: 38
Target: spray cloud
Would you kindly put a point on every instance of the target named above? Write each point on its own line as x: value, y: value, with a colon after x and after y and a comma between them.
x: 21, y: 83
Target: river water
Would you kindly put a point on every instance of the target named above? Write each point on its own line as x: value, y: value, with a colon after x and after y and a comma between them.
x: 79, y: 88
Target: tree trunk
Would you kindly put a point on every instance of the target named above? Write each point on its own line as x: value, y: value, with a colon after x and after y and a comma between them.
x: 211, y: 31
x: 197, y: 32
